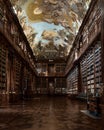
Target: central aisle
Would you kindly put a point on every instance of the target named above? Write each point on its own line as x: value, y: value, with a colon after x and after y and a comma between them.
x: 47, y: 113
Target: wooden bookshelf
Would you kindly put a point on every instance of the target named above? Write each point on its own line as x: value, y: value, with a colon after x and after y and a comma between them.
x: 43, y: 85
x: 60, y: 86
x: 59, y: 68
x: 70, y: 61
x: 17, y: 67
x: 91, y: 69
x: 84, y: 74
x: 72, y: 82
x: 1, y: 11
x: 90, y: 29
x: 47, y: 69
x: 50, y: 85
x: 2, y: 67
x: 42, y: 69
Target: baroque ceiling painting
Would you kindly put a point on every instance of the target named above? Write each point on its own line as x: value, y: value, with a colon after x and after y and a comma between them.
x: 50, y: 25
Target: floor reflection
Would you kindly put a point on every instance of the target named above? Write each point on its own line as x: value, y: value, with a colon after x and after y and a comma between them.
x: 47, y: 113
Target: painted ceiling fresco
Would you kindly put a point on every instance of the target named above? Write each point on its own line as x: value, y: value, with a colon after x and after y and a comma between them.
x: 50, y: 25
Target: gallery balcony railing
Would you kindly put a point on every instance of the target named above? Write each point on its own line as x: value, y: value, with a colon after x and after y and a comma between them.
x: 53, y: 74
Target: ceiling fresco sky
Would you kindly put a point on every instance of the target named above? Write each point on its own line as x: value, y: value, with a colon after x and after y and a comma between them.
x: 50, y: 25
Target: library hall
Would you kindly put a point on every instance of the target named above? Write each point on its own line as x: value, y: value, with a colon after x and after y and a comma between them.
x: 51, y: 64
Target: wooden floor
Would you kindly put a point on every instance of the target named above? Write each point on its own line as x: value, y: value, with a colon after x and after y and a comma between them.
x: 47, y: 113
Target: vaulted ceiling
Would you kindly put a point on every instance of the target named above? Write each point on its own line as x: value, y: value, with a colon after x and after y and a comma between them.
x: 50, y: 25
